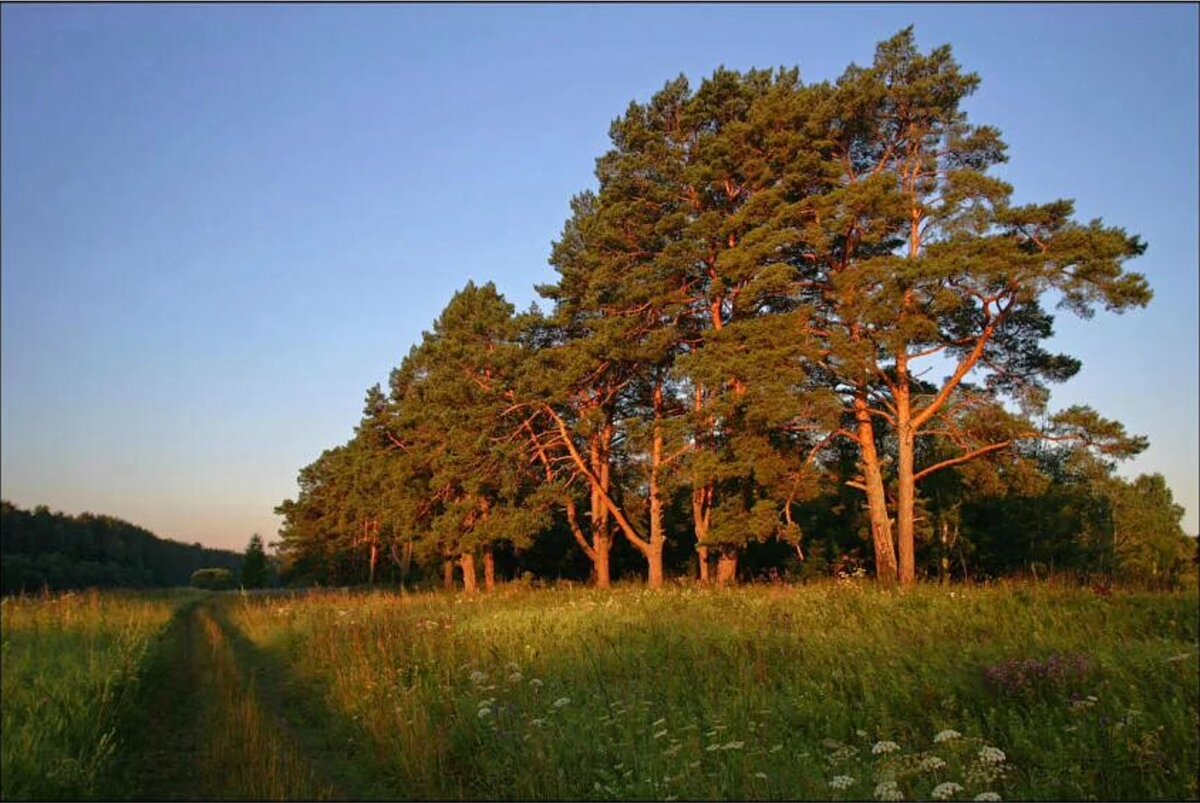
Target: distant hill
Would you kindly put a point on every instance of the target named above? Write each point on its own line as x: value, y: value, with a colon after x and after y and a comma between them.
x: 40, y: 549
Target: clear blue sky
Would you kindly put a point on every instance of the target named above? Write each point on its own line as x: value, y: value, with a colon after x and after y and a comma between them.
x: 222, y: 224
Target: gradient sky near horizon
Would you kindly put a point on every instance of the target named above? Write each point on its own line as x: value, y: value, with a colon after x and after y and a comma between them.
x: 222, y: 224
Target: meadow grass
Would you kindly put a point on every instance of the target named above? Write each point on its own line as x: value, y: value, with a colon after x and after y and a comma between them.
x: 71, y: 668
x: 822, y: 691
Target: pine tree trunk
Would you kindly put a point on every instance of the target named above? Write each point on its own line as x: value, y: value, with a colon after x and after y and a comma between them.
x: 489, y: 570
x: 374, y: 561
x: 727, y: 565
x: 654, y: 557
x: 906, y: 507
x: 881, y: 528
x: 467, y: 562
x: 601, y: 528
x: 701, y: 516
x: 448, y: 574
x: 658, y: 536
x: 601, y: 547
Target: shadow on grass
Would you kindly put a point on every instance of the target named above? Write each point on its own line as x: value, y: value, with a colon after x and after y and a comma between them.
x: 334, y: 746
x: 160, y: 733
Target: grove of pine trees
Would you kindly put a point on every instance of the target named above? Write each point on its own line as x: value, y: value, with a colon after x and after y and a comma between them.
x: 796, y: 327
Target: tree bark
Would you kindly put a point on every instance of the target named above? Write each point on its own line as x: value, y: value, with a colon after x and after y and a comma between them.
x: 448, y: 574
x: 702, y: 496
x: 906, y: 491
x: 905, y: 508
x: 701, y: 519
x: 467, y: 562
x: 654, y: 555
x: 489, y: 570
x: 600, y: 564
x: 727, y: 565
x: 881, y: 528
x: 374, y: 561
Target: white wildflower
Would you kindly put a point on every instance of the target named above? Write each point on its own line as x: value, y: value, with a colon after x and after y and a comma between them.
x: 888, y: 790
x: 485, y: 712
x: 991, y: 755
x: 761, y: 775
x: 776, y: 748
x: 660, y: 734
x: 478, y: 677
x: 658, y: 722
x: 515, y: 677
x: 988, y: 796
x: 535, y: 682
x: 944, y: 791
x: 947, y: 736
x: 537, y: 722
x: 713, y: 747
x: 931, y: 763
x: 860, y: 733
x: 884, y: 747
x: 733, y: 745
x: 562, y: 701
x: 841, y: 782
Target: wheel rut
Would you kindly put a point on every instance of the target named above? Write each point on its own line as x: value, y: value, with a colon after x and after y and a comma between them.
x: 208, y: 725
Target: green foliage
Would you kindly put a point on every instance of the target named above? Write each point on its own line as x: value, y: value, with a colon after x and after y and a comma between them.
x: 736, y: 346
x: 254, y: 564
x: 1149, y: 544
x: 212, y: 579
x: 52, y: 550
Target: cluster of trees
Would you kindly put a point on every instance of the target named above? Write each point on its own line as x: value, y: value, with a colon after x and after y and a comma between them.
x: 41, y: 550
x: 799, y: 325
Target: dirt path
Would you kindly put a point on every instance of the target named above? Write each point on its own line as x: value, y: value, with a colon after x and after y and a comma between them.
x: 201, y: 730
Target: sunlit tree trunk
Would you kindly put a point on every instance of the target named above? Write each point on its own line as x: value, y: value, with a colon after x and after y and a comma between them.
x: 489, y: 570
x: 881, y: 529
x: 727, y: 565
x: 467, y: 562
x: 906, y: 490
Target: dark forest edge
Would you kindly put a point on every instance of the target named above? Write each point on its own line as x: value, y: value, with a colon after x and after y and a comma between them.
x: 55, y: 551
x: 737, y: 375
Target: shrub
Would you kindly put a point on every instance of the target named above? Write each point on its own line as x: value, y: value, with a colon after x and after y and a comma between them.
x: 212, y: 579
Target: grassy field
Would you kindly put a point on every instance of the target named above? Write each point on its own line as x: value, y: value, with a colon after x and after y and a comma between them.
x: 71, y: 677
x: 822, y: 691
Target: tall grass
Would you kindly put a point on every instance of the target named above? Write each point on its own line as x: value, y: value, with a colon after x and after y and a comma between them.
x: 776, y: 693
x: 70, y: 671
x: 244, y: 754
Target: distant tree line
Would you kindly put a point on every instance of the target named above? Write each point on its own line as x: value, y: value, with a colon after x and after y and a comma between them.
x: 797, y: 329
x: 40, y: 549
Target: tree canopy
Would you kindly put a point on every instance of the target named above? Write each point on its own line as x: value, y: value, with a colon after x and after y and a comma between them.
x: 739, y: 358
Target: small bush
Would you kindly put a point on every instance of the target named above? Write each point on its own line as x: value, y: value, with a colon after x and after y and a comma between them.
x: 212, y: 579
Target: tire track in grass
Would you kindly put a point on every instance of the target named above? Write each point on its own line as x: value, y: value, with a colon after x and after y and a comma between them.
x: 299, y: 711
x: 200, y: 731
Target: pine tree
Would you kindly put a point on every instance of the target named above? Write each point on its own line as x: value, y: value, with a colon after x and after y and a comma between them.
x: 254, y: 564
x: 913, y: 252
